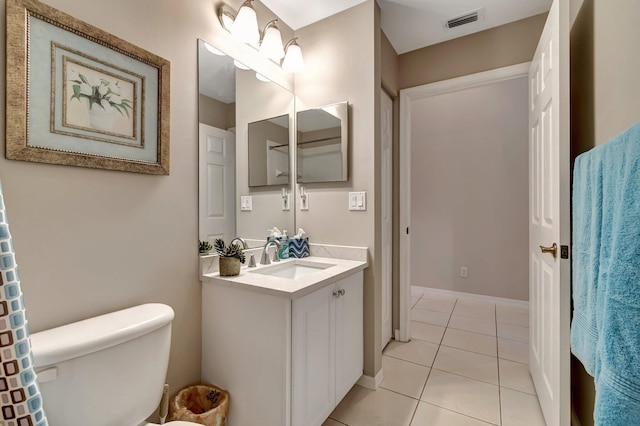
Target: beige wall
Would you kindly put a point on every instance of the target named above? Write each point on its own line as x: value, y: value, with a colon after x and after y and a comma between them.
x: 340, y: 56
x: 92, y: 241
x: 389, y: 65
x: 497, y: 47
x: 469, y: 192
x: 215, y: 113
x: 605, y: 100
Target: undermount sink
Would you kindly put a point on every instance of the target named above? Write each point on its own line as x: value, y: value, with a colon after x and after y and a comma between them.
x: 293, y: 270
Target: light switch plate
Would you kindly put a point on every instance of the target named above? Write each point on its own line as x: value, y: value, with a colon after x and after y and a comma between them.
x: 246, y: 203
x: 304, y: 201
x: 358, y: 201
x: 285, y: 202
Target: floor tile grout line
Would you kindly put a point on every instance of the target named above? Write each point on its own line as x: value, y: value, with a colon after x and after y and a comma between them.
x: 468, y: 350
x: 469, y: 331
x: 435, y: 356
x: 410, y: 362
x: 465, y: 377
x: 520, y: 391
x: 457, y: 412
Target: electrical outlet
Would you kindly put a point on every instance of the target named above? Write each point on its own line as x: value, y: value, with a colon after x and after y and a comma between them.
x: 464, y: 272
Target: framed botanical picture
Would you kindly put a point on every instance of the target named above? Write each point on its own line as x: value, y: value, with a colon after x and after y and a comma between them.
x: 77, y: 95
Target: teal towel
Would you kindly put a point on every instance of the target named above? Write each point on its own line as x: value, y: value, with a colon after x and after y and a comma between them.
x: 21, y: 403
x: 605, y: 332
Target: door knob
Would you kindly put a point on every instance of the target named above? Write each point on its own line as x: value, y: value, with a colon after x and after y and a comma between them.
x: 553, y: 250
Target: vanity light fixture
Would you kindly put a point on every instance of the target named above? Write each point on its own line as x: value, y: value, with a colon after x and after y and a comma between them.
x: 226, y: 15
x: 271, y: 43
x: 245, y: 26
x: 293, y: 61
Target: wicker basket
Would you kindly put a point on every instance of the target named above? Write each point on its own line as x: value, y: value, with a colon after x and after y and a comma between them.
x: 229, y: 266
x: 203, y: 404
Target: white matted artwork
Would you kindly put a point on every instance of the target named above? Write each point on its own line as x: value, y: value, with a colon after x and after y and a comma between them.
x: 81, y: 96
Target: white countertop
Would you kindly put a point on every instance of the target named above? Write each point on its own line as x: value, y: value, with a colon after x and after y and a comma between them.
x: 285, y: 287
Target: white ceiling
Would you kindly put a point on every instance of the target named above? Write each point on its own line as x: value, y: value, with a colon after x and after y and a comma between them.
x: 412, y: 24
x: 300, y: 13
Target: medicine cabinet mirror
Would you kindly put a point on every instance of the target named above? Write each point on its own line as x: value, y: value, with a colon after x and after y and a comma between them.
x: 322, y: 144
x: 269, y: 151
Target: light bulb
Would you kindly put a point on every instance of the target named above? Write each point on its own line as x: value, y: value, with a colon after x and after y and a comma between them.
x: 293, y: 60
x: 245, y: 26
x: 271, y: 44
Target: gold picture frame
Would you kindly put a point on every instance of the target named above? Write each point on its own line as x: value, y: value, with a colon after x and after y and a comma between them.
x: 79, y: 96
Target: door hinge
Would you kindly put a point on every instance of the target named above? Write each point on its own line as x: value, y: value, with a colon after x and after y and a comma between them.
x: 564, y: 252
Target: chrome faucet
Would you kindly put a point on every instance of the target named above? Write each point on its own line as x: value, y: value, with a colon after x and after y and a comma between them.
x: 265, y: 253
x: 242, y: 241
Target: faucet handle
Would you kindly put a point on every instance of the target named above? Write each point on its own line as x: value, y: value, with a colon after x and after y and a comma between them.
x: 276, y: 258
x: 252, y: 261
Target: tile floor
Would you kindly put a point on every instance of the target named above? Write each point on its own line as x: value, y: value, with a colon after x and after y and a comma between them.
x: 466, y: 365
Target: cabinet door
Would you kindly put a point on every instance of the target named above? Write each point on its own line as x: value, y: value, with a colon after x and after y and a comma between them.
x: 313, y: 357
x: 349, y: 334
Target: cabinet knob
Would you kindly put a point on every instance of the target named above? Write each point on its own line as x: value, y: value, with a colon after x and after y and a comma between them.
x: 336, y: 294
x: 342, y: 292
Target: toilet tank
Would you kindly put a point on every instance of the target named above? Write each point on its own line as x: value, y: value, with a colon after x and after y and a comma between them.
x: 106, y: 370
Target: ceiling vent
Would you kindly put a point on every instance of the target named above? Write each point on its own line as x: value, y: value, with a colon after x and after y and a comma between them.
x: 467, y: 18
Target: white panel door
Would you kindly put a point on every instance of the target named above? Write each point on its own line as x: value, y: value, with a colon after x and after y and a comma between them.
x: 549, y: 217
x: 217, y: 183
x: 387, y: 212
x: 349, y: 334
x: 313, y: 357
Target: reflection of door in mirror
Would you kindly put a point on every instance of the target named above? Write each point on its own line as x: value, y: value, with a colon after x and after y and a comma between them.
x: 230, y: 99
x: 217, y: 176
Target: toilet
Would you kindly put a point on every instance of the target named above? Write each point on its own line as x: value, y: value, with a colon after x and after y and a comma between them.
x: 106, y: 370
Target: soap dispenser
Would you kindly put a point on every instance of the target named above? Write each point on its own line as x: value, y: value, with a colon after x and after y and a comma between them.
x: 283, y: 252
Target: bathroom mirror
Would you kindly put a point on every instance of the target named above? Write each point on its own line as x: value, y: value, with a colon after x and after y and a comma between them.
x: 230, y: 98
x: 322, y: 144
x: 269, y: 151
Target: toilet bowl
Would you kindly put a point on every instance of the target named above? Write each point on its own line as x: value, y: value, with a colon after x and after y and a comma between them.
x: 106, y: 370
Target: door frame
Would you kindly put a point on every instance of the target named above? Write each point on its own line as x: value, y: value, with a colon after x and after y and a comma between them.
x: 387, y: 230
x: 407, y: 96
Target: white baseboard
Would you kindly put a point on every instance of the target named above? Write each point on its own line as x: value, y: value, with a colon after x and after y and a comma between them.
x: 369, y: 382
x: 493, y: 299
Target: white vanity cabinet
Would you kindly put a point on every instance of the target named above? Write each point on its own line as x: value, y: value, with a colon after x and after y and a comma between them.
x: 327, y: 348
x: 286, y: 358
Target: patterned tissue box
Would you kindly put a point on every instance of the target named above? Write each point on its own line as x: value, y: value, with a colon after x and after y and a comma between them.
x: 299, y: 247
